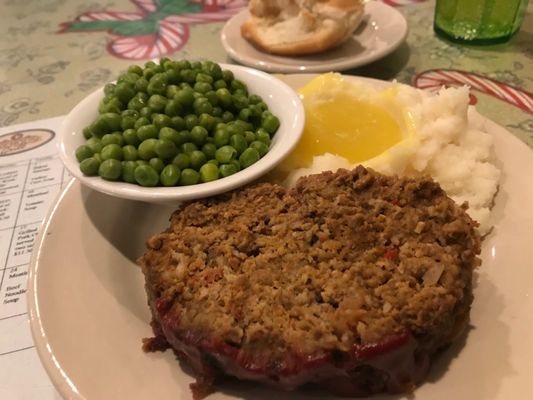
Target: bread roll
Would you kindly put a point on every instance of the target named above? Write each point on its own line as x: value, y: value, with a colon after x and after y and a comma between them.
x: 298, y: 27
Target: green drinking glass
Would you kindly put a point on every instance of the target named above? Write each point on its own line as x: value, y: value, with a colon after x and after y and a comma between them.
x: 478, y: 21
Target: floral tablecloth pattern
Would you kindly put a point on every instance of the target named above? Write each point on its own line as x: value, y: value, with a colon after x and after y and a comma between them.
x: 55, y: 52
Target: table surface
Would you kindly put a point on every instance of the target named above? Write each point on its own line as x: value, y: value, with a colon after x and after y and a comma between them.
x: 55, y: 52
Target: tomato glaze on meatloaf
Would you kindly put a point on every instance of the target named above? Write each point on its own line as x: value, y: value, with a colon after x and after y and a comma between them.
x: 350, y: 280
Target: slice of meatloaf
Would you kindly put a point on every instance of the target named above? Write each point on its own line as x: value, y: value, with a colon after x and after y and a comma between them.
x: 350, y: 280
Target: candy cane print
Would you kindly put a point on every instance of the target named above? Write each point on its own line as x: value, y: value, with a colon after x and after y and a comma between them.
x: 435, y: 79
x: 170, y: 37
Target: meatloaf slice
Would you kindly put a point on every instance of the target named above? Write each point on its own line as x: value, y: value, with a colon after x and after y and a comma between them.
x: 350, y: 280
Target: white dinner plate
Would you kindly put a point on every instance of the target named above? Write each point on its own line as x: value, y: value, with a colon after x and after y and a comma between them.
x: 88, y: 308
x: 383, y: 29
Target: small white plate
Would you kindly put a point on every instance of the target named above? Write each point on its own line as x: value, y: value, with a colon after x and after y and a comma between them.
x: 383, y: 29
x: 88, y: 308
x: 280, y: 98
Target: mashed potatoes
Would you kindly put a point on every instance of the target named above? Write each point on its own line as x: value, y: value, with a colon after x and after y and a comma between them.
x: 423, y: 134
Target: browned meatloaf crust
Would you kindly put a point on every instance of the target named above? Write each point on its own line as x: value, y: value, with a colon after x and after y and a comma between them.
x: 350, y: 280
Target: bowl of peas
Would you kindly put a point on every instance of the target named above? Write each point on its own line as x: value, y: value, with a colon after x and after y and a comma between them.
x: 178, y: 130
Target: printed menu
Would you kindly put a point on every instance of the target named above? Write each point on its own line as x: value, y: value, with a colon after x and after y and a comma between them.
x: 31, y: 177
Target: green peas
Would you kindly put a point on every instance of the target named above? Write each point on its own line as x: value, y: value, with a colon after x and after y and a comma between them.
x: 170, y: 134
x: 224, y: 97
x: 254, y: 99
x: 110, y: 105
x: 227, y: 75
x: 238, y: 142
x: 185, y: 97
x: 128, y: 171
x: 129, y: 153
x: 129, y: 113
x: 191, y: 121
x: 209, y: 149
x: 197, y: 159
x: 225, y: 154
x: 206, y: 121
x: 219, y: 84
x: 173, y: 108
x: 270, y: 123
x: 245, y: 114
x: 202, y: 87
x: 255, y: 111
x: 188, y: 147
x: 249, y: 136
x: 127, y: 122
x: 161, y: 120
x: 137, y: 102
x: 112, y: 138
x: 189, y: 177
x: 261, y: 147
x: 235, y: 129
x: 146, y: 149
x: 130, y: 137
x: 145, y: 175
x: 124, y: 91
x: 199, y: 135
x: 212, y: 69
x: 227, y: 116
x: 157, y: 85
x: 170, y: 175
x: 89, y: 166
x: 157, y: 103
x: 209, y: 172
x: 202, y: 105
x: 135, y: 69
x: 176, y: 123
x: 110, y: 169
x: 221, y: 137
x: 188, y: 75
x: 141, y: 85
x: 212, y: 97
x: 109, y: 89
x: 83, y: 152
x: 182, y: 161
x: 128, y: 77
x: 184, y: 136
x: 217, y: 114
x: 238, y: 85
x: 105, y: 123
x: 172, y: 90
x: 111, y: 151
x: 240, y: 102
x: 263, y: 136
x: 95, y: 144
x: 146, y: 112
x: 157, y: 164
x: 172, y: 75
x: 228, y: 169
x: 165, y: 148
x: 183, y: 64
x: 87, y: 134
x: 146, y: 132
x: 249, y: 157
x: 141, y: 122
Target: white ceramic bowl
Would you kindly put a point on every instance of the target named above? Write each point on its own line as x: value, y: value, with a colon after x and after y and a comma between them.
x: 280, y: 98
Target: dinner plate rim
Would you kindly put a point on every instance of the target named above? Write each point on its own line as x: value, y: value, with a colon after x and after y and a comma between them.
x: 59, y: 377
x: 373, y: 8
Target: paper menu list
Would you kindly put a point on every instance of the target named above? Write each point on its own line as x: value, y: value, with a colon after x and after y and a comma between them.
x: 31, y: 177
